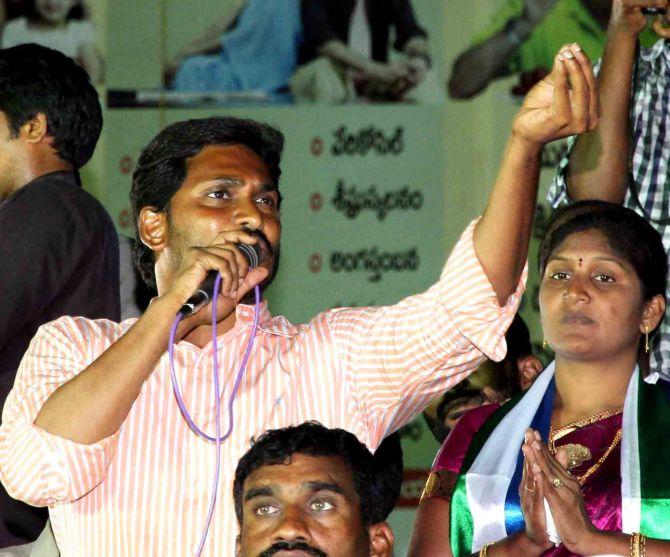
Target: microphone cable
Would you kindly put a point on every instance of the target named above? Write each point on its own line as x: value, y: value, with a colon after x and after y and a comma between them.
x: 218, y: 439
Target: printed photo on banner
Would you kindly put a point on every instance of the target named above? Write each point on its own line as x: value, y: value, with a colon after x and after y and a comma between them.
x: 64, y: 25
x: 260, y: 52
x: 521, y: 38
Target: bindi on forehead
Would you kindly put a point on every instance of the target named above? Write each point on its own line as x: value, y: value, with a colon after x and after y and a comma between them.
x: 580, y: 262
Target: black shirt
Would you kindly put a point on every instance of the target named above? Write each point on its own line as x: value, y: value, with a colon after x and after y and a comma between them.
x: 59, y: 255
x: 327, y: 20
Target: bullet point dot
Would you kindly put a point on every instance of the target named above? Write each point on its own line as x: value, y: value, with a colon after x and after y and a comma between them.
x: 316, y: 202
x: 316, y: 147
x: 315, y: 263
x: 126, y: 164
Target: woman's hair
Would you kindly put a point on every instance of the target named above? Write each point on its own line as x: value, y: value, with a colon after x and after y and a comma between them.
x: 628, y: 235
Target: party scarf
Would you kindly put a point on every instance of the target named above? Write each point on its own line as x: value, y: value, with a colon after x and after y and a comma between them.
x: 485, y: 505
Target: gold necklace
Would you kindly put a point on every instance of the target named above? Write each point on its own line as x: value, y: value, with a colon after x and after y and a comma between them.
x: 582, y: 479
x: 583, y: 422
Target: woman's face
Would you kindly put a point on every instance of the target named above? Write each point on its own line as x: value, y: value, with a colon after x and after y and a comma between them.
x: 54, y: 11
x: 590, y: 300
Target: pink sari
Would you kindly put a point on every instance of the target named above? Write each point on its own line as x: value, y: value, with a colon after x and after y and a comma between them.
x: 602, y: 487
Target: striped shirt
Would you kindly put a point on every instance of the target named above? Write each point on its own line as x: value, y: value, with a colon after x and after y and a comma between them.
x: 144, y: 491
x: 649, y: 185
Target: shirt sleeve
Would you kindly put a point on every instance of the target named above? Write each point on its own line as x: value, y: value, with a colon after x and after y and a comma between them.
x: 398, y: 358
x: 41, y: 246
x: 405, y: 23
x: 558, y: 194
x: 35, y: 466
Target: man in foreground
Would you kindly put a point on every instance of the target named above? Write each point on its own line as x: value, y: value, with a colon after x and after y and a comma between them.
x: 92, y: 429
x: 312, y: 489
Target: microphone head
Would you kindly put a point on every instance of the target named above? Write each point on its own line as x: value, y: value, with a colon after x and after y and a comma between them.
x: 252, y: 254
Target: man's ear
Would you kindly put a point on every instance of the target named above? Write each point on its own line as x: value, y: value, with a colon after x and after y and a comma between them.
x: 34, y: 130
x: 381, y: 540
x: 152, y: 228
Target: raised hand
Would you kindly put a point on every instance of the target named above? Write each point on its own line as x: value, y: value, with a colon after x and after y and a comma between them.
x: 563, y: 103
x: 627, y: 16
x: 224, y: 256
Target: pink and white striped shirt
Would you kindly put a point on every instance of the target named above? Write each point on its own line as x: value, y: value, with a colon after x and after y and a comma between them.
x: 144, y: 491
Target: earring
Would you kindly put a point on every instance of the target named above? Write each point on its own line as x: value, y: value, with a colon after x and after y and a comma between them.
x: 646, y: 339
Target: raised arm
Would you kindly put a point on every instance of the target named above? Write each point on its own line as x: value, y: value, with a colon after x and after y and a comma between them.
x: 562, y: 104
x: 598, y: 163
x: 400, y: 357
x: 475, y: 68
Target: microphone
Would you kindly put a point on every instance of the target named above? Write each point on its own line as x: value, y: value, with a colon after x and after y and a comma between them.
x: 202, y: 296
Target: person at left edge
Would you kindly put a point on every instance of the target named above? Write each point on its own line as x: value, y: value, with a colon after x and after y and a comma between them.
x: 92, y: 428
x: 58, y: 246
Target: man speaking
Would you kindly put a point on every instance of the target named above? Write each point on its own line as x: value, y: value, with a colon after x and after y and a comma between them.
x: 92, y: 429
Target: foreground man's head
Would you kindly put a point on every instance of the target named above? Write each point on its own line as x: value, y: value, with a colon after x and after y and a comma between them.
x: 310, y: 490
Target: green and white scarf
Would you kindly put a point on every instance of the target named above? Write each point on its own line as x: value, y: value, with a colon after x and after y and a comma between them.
x: 484, y: 506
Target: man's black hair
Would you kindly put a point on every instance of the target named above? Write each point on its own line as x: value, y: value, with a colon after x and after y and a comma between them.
x: 517, y: 338
x: 161, y: 168
x: 388, y: 461
x: 35, y: 79
x: 376, y: 479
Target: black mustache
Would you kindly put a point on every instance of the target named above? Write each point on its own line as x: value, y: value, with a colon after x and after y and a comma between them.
x: 292, y: 546
x: 264, y: 243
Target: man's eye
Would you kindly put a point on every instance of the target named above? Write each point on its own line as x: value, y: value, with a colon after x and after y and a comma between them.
x: 560, y: 275
x: 266, y: 200
x: 321, y: 505
x: 219, y: 194
x: 266, y: 510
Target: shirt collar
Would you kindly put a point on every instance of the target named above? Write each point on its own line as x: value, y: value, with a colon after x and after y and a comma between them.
x: 244, y: 313
x: 280, y: 326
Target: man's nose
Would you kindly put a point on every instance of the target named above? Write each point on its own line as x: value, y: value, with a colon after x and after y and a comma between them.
x: 293, y: 527
x: 247, y: 215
